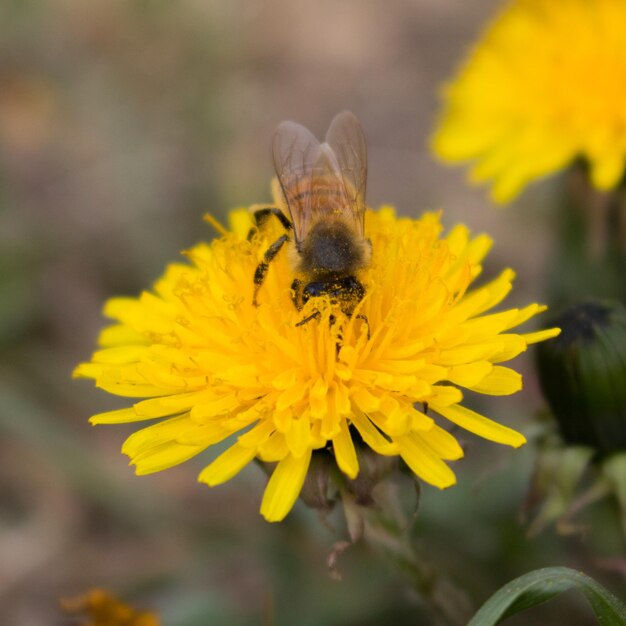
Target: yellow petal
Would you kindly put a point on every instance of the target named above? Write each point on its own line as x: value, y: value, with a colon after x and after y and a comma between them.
x: 441, y: 442
x: 484, y: 298
x: 120, y: 335
x: 217, y: 405
x: 88, y: 370
x: 465, y: 354
x: 274, y: 448
x: 170, y: 405
x: 118, y: 307
x: 469, y: 375
x: 345, y: 454
x: 458, y: 238
x: 227, y: 465
x: 120, y: 416
x: 424, y: 462
x: 479, y: 247
x: 284, y: 487
x: 372, y: 436
x: 240, y: 222
x: 298, y: 437
x: 164, y: 456
x: 395, y: 415
x: 120, y: 355
x: 257, y: 435
x: 365, y: 400
x: 150, y: 436
x: 541, y: 335
x: 294, y: 393
x: 480, y: 425
x: 444, y: 395
x: 487, y: 326
x: 501, y: 381
x: 122, y: 381
x: 510, y: 347
x: 607, y: 171
x: 419, y: 421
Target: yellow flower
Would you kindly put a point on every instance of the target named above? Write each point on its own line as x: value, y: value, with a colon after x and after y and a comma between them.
x: 545, y: 84
x: 101, y: 608
x: 213, y: 367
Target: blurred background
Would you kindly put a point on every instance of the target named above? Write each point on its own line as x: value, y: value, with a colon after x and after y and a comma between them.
x: 121, y: 123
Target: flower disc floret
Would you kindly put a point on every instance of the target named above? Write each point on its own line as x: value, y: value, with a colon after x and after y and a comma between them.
x: 213, y: 367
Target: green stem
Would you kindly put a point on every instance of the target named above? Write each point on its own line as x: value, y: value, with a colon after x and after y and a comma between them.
x: 386, y: 529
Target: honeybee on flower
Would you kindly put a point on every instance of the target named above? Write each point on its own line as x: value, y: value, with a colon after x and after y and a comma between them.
x: 324, y: 189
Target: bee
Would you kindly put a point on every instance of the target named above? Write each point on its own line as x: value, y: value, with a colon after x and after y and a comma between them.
x: 323, y: 185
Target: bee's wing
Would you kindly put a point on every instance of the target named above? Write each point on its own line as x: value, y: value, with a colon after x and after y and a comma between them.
x: 347, y: 141
x: 309, y: 175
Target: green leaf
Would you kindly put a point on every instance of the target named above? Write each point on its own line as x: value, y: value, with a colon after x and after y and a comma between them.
x: 544, y: 584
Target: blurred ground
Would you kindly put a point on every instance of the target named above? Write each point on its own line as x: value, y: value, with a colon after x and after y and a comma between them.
x: 121, y: 123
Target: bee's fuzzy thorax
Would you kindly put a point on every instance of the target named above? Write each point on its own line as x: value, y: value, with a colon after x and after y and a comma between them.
x: 332, y: 249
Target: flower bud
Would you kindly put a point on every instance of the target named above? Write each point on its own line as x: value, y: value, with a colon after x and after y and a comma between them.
x: 582, y: 373
x: 374, y: 468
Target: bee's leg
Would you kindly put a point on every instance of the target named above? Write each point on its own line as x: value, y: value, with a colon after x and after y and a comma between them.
x: 263, y: 266
x: 262, y: 213
x: 331, y: 320
x: 295, y: 293
x: 357, y: 290
x: 425, y: 405
x: 314, y: 316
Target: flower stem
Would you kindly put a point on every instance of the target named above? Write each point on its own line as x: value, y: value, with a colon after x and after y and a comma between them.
x: 387, y: 529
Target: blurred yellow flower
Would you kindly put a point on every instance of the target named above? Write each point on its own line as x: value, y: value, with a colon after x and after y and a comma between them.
x: 544, y: 85
x: 101, y: 608
x: 219, y: 369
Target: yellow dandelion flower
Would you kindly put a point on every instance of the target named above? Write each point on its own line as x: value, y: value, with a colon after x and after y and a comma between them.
x: 213, y: 367
x: 544, y: 85
x: 101, y: 608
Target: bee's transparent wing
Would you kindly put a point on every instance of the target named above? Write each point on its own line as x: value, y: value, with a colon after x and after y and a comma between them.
x: 347, y: 141
x: 296, y: 152
x: 313, y: 180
